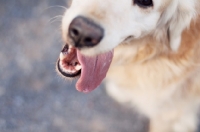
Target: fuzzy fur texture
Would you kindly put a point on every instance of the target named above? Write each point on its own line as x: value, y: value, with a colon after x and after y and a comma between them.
x: 157, y: 70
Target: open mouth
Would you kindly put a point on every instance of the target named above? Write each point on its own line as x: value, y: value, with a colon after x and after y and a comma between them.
x: 92, y: 70
x: 68, y: 64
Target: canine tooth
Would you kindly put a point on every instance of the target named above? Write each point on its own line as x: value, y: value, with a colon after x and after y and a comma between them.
x: 78, y: 67
x: 62, y: 56
x: 69, y: 46
x: 70, y: 50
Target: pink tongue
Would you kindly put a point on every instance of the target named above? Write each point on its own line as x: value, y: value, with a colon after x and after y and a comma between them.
x: 93, y: 71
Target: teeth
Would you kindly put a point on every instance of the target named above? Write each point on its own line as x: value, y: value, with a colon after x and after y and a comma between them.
x: 69, y: 50
x: 73, y: 71
x: 62, y: 55
x: 70, y: 71
x: 78, y: 67
x: 70, y: 46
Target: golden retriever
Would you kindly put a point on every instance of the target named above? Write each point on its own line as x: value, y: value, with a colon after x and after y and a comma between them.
x: 154, y: 47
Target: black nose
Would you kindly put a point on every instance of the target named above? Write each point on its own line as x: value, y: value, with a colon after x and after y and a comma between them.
x: 85, y: 33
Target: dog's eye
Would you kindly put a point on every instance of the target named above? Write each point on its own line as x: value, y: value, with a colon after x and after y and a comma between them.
x: 144, y: 3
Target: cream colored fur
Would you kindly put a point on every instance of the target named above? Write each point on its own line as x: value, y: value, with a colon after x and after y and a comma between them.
x: 158, y: 69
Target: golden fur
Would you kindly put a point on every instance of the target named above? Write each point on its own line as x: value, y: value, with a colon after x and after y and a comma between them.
x: 163, y: 84
x: 157, y: 68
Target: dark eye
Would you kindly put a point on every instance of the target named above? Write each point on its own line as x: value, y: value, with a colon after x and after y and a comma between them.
x: 144, y: 3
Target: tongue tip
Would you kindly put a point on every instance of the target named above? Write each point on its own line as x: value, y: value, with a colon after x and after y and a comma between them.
x: 82, y: 89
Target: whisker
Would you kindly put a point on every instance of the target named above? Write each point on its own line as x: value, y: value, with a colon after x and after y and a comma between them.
x: 56, y: 6
x: 55, y: 19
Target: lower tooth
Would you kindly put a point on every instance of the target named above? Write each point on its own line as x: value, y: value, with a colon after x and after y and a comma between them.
x: 70, y: 50
x: 62, y: 55
x: 70, y: 71
x: 78, y: 67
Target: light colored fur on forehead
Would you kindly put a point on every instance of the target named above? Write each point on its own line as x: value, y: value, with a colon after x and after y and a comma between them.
x: 166, y: 20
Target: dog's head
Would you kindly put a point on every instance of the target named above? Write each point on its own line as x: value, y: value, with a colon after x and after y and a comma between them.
x: 94, y: 28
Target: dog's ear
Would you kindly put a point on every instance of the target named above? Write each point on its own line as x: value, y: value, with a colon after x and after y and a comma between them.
x: 180, y: 20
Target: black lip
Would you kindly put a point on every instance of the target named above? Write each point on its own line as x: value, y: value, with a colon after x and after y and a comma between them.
x: 66, y: 74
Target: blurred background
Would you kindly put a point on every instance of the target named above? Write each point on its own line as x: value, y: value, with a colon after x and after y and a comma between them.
x: 33, y: 98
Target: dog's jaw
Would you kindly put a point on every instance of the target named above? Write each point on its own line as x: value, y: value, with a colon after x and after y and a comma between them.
x: 91, y: 70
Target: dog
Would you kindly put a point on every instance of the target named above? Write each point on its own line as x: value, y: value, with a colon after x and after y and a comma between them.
x: 148, y: 50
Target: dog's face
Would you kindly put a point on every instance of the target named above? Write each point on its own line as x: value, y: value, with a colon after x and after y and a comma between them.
x: 119, y: 20
x: 96, y: 27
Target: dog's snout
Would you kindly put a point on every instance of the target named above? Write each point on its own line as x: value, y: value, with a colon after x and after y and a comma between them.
x: 84, y: 32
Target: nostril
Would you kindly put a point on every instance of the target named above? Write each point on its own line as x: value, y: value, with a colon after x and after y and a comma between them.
x: 88, y: 40
x: 75, y: 32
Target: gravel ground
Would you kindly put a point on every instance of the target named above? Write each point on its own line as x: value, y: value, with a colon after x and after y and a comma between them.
x: 33, y: 98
